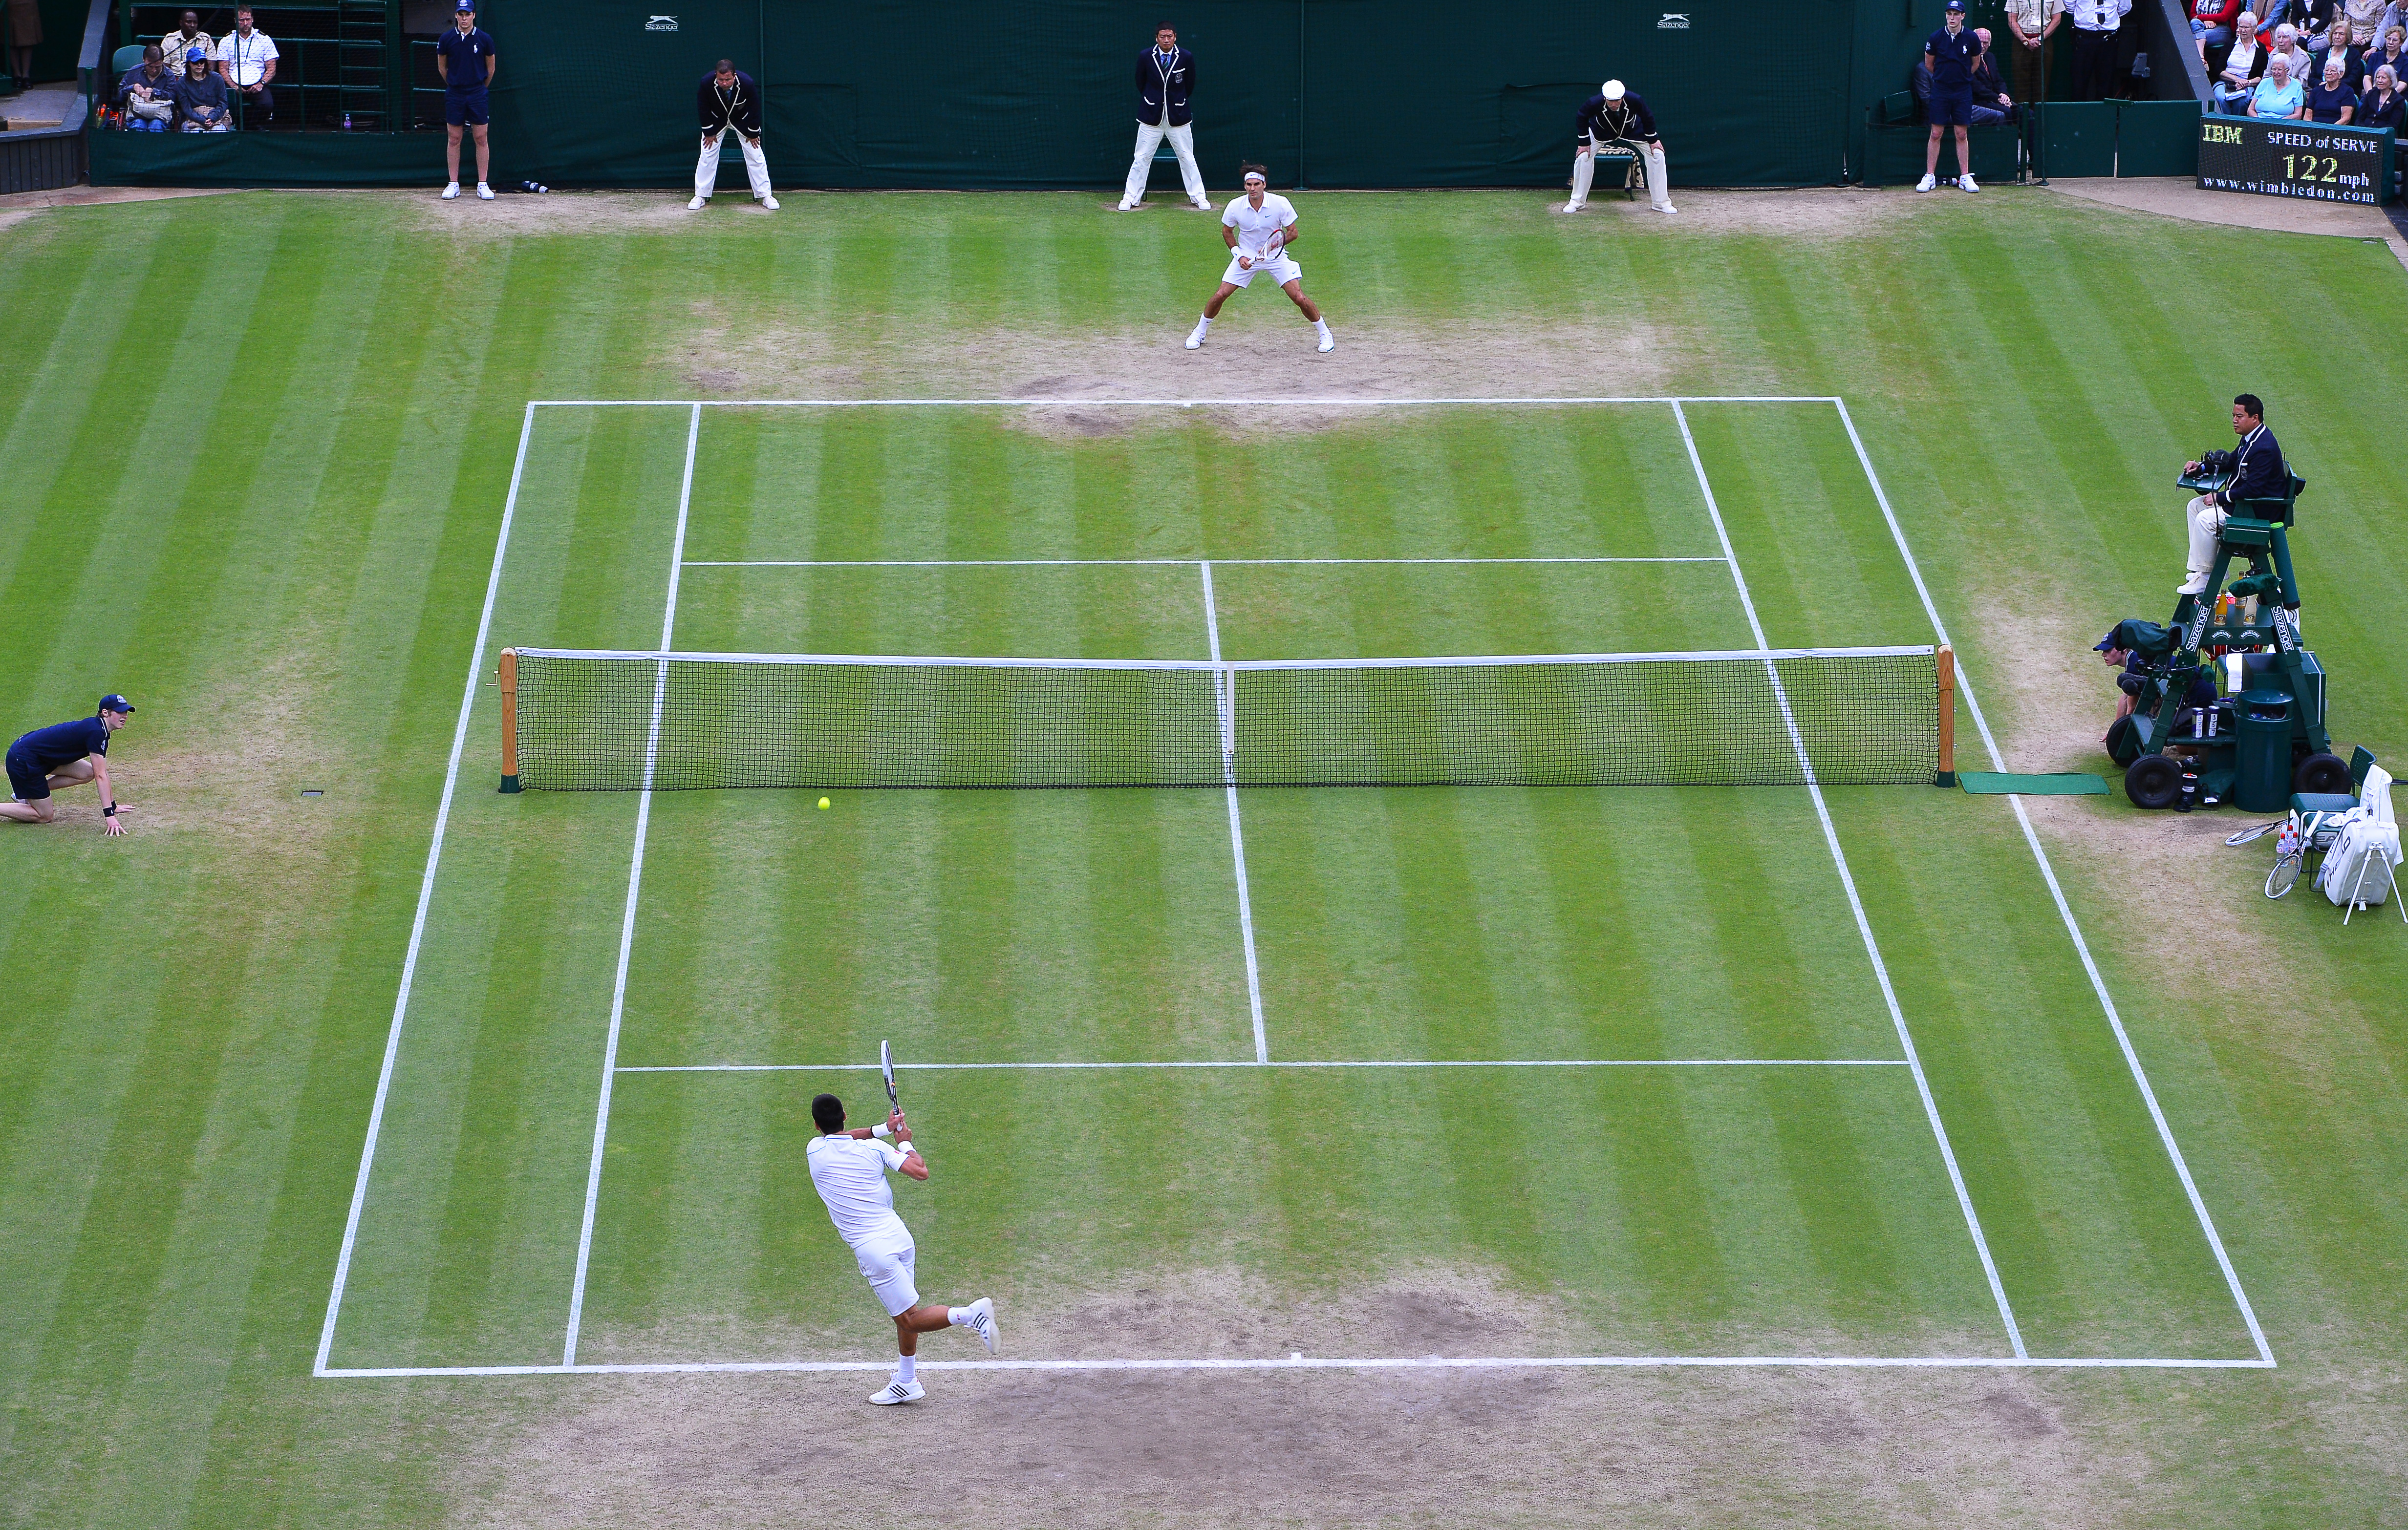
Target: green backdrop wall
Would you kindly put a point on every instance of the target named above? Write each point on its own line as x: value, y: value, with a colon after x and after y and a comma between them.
x: 1327, y: 92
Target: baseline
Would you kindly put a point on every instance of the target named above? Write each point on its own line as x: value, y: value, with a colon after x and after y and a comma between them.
x: 1301, y: 1362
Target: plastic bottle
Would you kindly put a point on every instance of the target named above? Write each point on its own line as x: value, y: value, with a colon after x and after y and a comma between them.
x: 347, y: 122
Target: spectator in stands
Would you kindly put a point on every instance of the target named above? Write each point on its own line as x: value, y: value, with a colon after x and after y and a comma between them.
x: 1991, y: 102
x: 2382, y: 104
x: 2277, y: 95
x: 2211, y: 26
x: 2393, y: 52
x: 201, y: 96
x: 2286, y: 48
x: 2333, y: 102
x: 2033, y: 22
x: 177, y: 45
x: 148, y: 92
x: 2349, y: 46
x: 247, y: 58
x: 2367, y: 19
x: 463, y: 56
x: 2242, y: 67
x: 24, y: 27
x: 2309, y: 20
x: 2095, y: 25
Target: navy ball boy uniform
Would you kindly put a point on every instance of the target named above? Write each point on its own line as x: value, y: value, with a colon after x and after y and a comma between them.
x: 1951, y: 75
x: 464, y: 57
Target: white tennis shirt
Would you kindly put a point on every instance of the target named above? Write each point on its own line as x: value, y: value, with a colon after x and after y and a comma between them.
x: 850, y: 1174
x: 1254, y: 227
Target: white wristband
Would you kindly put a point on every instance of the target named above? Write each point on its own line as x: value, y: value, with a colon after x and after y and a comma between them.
x: 879, y: 1130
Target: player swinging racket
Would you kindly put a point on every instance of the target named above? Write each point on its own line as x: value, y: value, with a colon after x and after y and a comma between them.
x: 65, y: 754
x: 1258, y: 227
x: 849, y: 1170
x: 1616, y: 116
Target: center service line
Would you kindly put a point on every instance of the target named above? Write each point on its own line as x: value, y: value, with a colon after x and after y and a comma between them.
x: 1226, y: 704
x: 1856, y: 905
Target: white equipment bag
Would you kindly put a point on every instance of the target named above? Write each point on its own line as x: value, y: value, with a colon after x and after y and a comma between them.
x: 2358, y: 869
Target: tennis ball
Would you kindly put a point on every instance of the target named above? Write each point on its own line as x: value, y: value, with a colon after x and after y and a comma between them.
x: 823, y: 802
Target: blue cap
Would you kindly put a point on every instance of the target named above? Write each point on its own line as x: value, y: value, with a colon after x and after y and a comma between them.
x: 115, y: 703
x: 2105, y: 643
x: 464, y: 8
x: 198, y: 55
x: 1954, y: 5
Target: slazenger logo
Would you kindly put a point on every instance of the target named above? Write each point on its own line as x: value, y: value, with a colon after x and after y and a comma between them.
x: 1674, y: 20
x: 661, y: 23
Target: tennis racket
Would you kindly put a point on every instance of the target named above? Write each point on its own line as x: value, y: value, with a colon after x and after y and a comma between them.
x: 886, y: 1066
x: 2258, y: 830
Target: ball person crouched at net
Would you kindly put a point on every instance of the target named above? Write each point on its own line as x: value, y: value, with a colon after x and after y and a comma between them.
x: 61, y: 755
x: 728, y: 101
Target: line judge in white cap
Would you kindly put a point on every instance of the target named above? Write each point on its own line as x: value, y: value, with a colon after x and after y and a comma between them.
x: 1616, y: 116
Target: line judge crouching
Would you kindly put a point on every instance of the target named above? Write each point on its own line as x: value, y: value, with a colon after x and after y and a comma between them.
x: 1616, y: 116
x: 729, y: 100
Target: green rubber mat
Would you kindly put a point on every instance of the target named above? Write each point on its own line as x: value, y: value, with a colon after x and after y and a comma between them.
x: 1991, y: 783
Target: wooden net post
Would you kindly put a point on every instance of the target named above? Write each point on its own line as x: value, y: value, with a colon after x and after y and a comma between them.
x: 510, y: 719
x: 1944, y: 660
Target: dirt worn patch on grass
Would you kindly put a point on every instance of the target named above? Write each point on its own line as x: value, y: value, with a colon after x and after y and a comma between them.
x: 1436, y: 1446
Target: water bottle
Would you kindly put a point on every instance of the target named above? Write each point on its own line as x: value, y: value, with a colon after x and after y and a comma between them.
x: 347, y: 122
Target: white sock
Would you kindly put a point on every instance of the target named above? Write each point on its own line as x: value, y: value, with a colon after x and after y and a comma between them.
x: 907, y: 1367
x: 1203, y: 324
x: 1321, y: 324
x: 958, y: 1316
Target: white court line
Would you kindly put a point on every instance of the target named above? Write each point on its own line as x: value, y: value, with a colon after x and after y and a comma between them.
x: 1262, y: 1062
x: 426, y: 900
x: 627, y: 920
x: 1856, y: 906
x: 1299, y: 1362
x: 1128, y: 562
x: 1225, y: 696
x: 1156, y: 403
x: 2065, y: 910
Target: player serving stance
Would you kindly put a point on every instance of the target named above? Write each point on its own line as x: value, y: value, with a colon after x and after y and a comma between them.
x: 1258, y: 227
x: 65, y: 754
x: 1617, y: 116
x: 849, y: 1170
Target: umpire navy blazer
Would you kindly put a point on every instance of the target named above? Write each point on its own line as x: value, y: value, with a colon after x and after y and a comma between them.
x: 740, y: 110
x: 1156, y: 86
x: 2257, y: 470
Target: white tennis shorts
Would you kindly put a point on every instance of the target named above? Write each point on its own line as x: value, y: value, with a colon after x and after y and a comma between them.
x: 890, y: 1267
x: 1281, y: 271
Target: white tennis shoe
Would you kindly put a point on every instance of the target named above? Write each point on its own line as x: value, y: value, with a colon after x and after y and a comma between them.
x: 450, y: 191
x: 982, y: 1324
x: 1965, y: 183
x: 484, y: 192
x: 1327, y: 343
x: 1202, y: 205
x: 1126, y: 207
x: 898, y: 1392
x: 769, y: 204
x: 1926, y: 183
x: 1195, y: 339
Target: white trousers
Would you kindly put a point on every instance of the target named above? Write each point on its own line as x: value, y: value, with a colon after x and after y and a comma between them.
x: 1183, y: 143
x: 1584, y: 172
x: 2206, y: 520
x: 706, y: 169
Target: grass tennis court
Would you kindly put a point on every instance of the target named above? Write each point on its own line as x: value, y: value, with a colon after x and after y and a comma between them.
x: 1555, y: 1074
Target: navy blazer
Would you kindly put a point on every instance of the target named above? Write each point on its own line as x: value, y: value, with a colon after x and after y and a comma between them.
x: 1155, y: 87
x: 2257, y: 470
x: 741, y: 110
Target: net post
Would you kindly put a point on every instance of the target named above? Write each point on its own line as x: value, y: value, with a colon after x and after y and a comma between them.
x: 1944, y: 664
x: 509, y: 678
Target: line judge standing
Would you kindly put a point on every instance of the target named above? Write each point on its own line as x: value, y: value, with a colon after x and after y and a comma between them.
x: 730, y: 101
x: 1617, y: 116
x: 1166, y: 79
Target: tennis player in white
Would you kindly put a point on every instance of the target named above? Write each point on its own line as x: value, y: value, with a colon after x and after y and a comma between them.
x: 849, y: 1170
x: 1258, y: 227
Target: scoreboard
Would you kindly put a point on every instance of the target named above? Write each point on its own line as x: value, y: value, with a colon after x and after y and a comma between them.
x: 2313, y: 161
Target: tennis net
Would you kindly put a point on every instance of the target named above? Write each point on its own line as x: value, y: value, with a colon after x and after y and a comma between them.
x: 593, y: 720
